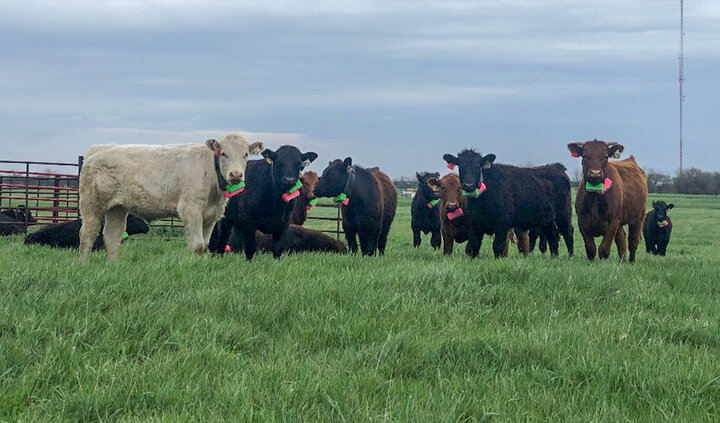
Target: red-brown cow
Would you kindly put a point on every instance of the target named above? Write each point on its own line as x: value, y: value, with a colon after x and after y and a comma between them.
x: 611, y: 194
x: 307, y: 199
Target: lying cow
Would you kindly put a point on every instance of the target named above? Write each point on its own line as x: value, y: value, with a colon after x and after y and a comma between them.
x: 20, y: 213
x: 297, y: 239
x: 369, y: 200
x: 501, y: 197
x: 9, y: 226
x: 657, y: 228
x: 307, y: 200
x: 268, y: 201
x: 611, y: 194
x: 67, y: 234
x: 190, y: 181
x: 425, y: 209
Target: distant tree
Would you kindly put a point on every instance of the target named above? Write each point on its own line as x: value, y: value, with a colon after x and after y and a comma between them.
x: 660, y: 182
x: 696, y: 181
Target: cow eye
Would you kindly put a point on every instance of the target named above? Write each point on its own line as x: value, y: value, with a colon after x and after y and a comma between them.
x: 223, y: 154
x: 246, y: 154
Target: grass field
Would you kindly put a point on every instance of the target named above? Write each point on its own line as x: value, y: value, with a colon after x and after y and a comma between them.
x: 413, y: 336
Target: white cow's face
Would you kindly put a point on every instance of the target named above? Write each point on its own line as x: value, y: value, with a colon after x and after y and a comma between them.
x: 233, y: 152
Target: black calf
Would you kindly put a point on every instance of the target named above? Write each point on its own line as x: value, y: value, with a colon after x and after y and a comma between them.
x: 425, y: 209
x: 67, y: 234
x: 657, y: 228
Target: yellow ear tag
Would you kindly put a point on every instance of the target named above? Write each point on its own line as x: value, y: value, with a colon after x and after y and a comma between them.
x: 268, y: 159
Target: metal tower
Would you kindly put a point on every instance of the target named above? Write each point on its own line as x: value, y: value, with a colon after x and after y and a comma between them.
x: 681, y: 80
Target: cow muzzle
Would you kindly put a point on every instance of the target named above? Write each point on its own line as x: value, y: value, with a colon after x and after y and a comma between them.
x: 451, y: 207
x: 235, y: 177
x: 594, y: 176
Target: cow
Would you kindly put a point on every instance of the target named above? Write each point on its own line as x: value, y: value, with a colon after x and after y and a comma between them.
x: 562, y: 201
x: 20, y: 213
x: 273, y: 185
x: 67, y: 234
x: 190, y: 181
x: 425, y: 209
x: 297, y: 239
x: 369, y: 201
x: 307, y: 200
x: 611, y: 194
x: 657, y: 228
x: 9, y: 226
x: 502, y: 197
x: 454, y: 223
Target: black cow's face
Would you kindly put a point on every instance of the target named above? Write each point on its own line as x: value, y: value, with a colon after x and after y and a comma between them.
x: 334, y: 178
x: 429, y: 185
x: 135, y: 225
x: 471, y: 165
x: 661, y: 210
x: 20, y: 214
x: 595, y: 156
x: 287, y: 164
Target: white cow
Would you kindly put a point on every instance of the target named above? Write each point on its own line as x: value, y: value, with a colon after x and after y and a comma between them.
x: 159, y: 181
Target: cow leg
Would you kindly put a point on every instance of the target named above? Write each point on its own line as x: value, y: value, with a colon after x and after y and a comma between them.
x: 550, y: 233
x: 382, y: 240
x: 367, y: 246
x: 208, y: 228
x: 435, y: 240
x: 417, y: 239
x: 648, y: 243
x: 500, y: 242
x: 473, y: 243
x: 523, y: 241
x: 590, y: 249
x: 543, y: 246
x: 567, y: 234
x: 277, y: 244
x: 115, y: 221
x: 220, y: 235
x: 608, y: 237
x: 351, y: 238
x: 634, y: 231
x: 192, y: 220
x: 448, y: 241
x: 620, y: 243
x: 250, y: 241
x: 88, y: 234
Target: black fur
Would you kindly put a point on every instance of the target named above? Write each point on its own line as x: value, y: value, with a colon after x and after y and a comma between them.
x: 67, y: 234
x: 514, y: 198
x: 371, y: 210
x: 10, y: 226
x: 297, y: 239
x: 260, y: 206
x: 657, y: 238
x: 425, y: 216
x: 19, y: 213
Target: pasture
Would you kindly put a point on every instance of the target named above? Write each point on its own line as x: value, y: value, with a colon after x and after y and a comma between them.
x: 162, y: 335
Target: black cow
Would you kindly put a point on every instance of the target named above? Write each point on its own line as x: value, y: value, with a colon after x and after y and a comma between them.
x: 67, y: 234
x: 10, y: 226
x: 369, y: 202
x: 272, y: 185
x: 657, y: 228
x: 425, y: 209
x: 20, y: 214
x: 297, y: 239
x: 501, y: 197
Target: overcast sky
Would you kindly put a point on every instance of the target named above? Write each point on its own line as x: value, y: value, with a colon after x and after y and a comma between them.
x: 393, y: 84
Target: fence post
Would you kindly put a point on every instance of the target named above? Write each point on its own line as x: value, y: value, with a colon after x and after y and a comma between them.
x: 2, y: 181
x: 27, y: 195
x: 56, y: 201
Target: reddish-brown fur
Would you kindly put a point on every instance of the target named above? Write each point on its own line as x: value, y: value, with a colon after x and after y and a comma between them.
x: 451, y: 198
x: 623, y: 204
x: 299, y: 213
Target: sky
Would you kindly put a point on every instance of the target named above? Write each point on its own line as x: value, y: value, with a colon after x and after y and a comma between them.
x: 394, y: 84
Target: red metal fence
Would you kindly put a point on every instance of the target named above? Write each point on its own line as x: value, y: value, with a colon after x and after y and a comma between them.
x: 52, y: 196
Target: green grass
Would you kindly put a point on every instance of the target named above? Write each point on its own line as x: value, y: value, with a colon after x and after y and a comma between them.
x: 413, y: 336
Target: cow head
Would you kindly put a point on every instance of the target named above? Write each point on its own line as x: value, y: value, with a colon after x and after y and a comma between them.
x: 309, y: 180
x: 135, y: 225
x: 287, y: 163
x: 661, y: 208
x: 428, y: 185
x: 334, y: 178
x: 232, y: 152
x: 595, y: 156
x: 471, y: 166
x: 451, y: 193
x: 20, y: 213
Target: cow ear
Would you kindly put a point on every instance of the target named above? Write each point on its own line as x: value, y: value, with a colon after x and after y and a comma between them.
x: 308, y: 158
x: 671, y: 205
x: 488, y: 160
x: 348, y: 161
x: 269, y: 155
x: 418, y: 176
x: 450, y: 159
x: 576, y: 148
x: 614, y: 150
x: 437, y: 174
x: 213, y: 145
x: 256, y: 147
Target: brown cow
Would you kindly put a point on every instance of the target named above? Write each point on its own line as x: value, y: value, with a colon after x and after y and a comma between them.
x: 611, y: 194
x: 453, y: 222
x: 306, y: 200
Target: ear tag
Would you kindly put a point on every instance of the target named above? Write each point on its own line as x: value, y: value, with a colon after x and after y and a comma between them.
x: 574, y: 154
x: 268, y: 160
x: 306, y: 163
x: 451, y: 166
x: 616, y: 154
x: 455, y: 214
x: 228, y: 248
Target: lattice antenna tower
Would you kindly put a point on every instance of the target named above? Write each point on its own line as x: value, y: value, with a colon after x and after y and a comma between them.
x: 681, y: 78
